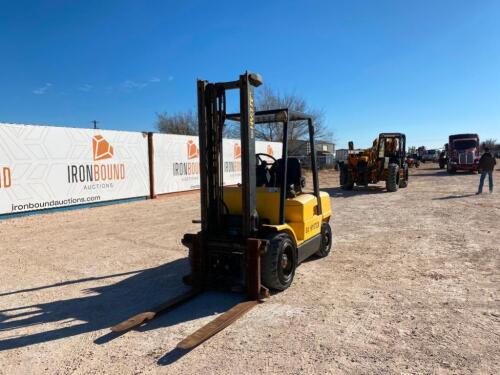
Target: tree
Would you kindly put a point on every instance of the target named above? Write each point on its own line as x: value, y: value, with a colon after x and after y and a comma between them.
x: 267, y: 99
x: 490, y: 143
x: 184, y: 123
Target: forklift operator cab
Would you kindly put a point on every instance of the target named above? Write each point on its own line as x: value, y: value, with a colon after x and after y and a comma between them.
x: 269, y: 174
x: 391, y: 149
x: 300, y: 225
x: 253, y: 235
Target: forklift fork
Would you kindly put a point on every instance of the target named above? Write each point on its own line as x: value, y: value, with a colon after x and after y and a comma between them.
x: 211, y: 119
x: 256, y: 293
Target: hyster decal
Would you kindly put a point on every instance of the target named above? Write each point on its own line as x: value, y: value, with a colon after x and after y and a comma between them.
x: 84, y: 173
x: 312, y: 227
x: 251, y: 113
x: 5, y: 178
x: 101, y: 148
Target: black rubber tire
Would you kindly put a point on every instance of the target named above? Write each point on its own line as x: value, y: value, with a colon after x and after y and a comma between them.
x: 392, y: 182
x: 346, y: 182
x: 403, y: 183
x: 275, y: 274
x: 326, y: 240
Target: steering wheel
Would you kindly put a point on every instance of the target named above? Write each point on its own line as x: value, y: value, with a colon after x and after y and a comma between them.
x: 261, y: 161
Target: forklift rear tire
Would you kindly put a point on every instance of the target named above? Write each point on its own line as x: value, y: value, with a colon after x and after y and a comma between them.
x: 392, y: 182
x: 326, y: 241
x: 279, y: 262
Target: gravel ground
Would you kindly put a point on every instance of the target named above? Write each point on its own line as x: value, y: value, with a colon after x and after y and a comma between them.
x: 412, y: 286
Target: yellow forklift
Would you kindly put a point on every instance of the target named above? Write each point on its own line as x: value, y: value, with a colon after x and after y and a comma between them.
x: 254, y: 235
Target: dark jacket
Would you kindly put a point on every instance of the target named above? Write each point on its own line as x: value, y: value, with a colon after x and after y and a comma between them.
x: 487, y: 162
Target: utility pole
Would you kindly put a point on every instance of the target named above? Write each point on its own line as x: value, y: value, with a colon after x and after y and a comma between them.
x: 95, y: 123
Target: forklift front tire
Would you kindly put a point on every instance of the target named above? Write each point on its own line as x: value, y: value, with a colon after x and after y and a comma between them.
x: 279, y: 262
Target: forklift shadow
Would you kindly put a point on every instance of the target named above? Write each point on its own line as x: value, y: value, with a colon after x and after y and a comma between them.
x: 364, y: 190
x: 105, y: 306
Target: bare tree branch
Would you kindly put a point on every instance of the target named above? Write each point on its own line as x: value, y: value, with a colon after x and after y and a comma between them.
x: 187, y: 123
x: 267, y: 99
x: 184, y: 123
x: 491, y: 144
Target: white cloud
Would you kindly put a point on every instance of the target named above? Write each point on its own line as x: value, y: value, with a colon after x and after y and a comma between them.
x: 131, y: 85
x: 85, y: 88
x: 42, y: 90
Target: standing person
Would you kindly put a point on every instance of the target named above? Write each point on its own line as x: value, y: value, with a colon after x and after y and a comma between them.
x: 486, y: 164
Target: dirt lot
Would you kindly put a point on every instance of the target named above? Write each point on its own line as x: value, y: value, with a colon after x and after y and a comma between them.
x: 411, y: 287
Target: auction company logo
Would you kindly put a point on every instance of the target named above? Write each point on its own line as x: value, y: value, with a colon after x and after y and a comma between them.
x: 97, y: 175
x: 192, y: 150
x: 5, y: 178
x: 237, y: 151
x: 234, y: 166
x: 188, y: 168
x: 270, y: 150
x: 101, y: 148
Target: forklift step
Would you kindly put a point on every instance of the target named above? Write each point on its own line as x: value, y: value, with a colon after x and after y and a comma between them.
x: 139, y: 319
x: 216, y: 325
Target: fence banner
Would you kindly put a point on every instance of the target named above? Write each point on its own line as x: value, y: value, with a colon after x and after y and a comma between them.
x: 47, y: 167
x: 177, y: 163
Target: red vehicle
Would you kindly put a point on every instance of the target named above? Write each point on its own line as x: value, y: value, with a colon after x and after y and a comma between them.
x: 412, y: 161
x: 463, y: 153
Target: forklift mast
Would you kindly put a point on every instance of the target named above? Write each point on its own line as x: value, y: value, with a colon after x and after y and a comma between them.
x: 211, y: 119
x: 228, y: 248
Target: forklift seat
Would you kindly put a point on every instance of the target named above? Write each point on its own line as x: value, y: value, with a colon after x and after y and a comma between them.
x: 294, y: 180
x: 262, y: 174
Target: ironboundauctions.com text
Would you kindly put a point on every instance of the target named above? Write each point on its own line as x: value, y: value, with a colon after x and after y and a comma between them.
x: 54, y: 203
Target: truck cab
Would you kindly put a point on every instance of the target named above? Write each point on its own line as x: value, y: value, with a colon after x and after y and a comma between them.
x: 463, y: 153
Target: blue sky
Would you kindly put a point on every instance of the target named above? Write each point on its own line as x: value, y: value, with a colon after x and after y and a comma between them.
x: 426, y: 68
